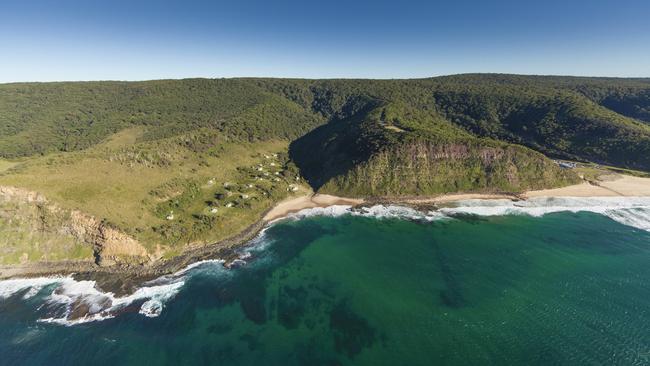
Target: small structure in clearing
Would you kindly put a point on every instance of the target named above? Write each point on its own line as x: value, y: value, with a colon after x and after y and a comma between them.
x: 566, y: 164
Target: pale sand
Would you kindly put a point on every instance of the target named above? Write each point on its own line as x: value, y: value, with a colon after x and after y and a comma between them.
x: 309, y: 201
x: 611, y: 185
x: 578, y: 190
x: 615, y: 185
x: 446, y: 198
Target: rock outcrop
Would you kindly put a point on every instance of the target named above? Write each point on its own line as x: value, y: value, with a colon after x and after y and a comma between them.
x: 33, y: 214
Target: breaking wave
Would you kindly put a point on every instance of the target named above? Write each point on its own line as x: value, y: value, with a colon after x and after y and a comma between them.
x: 631, y: 211
x: 64, y: 300
x: 68, y: 301
x: 377, y: 211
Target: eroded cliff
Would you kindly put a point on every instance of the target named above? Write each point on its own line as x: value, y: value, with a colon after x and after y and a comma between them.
x: 34, y: 229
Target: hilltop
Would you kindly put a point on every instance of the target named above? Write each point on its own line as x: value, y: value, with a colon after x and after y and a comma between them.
x: 172, y: 165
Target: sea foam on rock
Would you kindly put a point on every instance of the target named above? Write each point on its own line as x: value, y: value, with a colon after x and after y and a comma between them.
x: 74, y: 302
x: 83, y: 302
x: 68, y: 301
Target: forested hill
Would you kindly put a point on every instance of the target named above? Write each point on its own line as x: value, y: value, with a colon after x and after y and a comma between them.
x: 604, y: 120
x: 172, y: 164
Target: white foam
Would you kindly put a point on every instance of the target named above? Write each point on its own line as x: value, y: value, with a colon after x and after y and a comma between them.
x: 631, y: 211
x: 69, y: 293
x: 394, y: 211
x: 86, y: 319
x: 151, y: 308
x: 217, y: 262
x: 104, y: 305
x: 331, y: 211
x: 33, y: 285
x: 377, y: 211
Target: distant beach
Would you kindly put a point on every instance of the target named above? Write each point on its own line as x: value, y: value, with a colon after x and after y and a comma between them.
x: 123, y: 279
x: 611, y: 185
x: 296, y: 204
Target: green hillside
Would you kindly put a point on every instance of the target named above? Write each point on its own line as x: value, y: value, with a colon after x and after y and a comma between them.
x: 595, y: 119
x: 37, y: 119
x: 181, y: 163
x: 394, y: 150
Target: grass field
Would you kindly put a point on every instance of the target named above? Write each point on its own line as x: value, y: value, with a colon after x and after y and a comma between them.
x: 175, y: 163
x: 6, y: 165
x: 187, y: 190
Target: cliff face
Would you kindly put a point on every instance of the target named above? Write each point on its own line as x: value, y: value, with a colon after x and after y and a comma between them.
x: 391, y: 150
x: 427, y: 168
x: 109, y: 244
x: 34, y: 229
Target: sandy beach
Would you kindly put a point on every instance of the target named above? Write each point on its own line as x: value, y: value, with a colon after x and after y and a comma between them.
x: 309, y: 201
x: 123, y: 279
x: 610, y: 185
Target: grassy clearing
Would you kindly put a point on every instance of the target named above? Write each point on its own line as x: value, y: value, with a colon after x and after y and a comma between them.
x: 6, y: 165
x: 188, y: 190
x: 595, y: 172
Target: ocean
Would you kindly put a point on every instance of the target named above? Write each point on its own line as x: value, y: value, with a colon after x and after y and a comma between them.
x: 540, y: 282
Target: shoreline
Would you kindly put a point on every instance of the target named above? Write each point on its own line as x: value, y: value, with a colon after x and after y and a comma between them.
x: 124, y: 279
x: 296, y: 204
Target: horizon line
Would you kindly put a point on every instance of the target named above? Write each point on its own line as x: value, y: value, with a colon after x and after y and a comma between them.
x: 324, y: 78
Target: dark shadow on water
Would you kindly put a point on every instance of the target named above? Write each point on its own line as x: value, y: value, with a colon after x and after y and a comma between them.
x: 351, y: 332
x: 219, y: 328
x: 247, y: 285
x: 292, y: 305
x: 452, y: 295
x: 470, y: 218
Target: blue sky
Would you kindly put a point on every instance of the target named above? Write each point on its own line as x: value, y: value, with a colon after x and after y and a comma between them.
x: 140, y: 40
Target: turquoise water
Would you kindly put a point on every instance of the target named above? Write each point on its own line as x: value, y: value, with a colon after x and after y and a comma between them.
x: 562, y: 289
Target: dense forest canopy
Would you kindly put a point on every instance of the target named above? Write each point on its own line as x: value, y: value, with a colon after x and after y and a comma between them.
x: 212, y: 155
x: 605, y: 120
